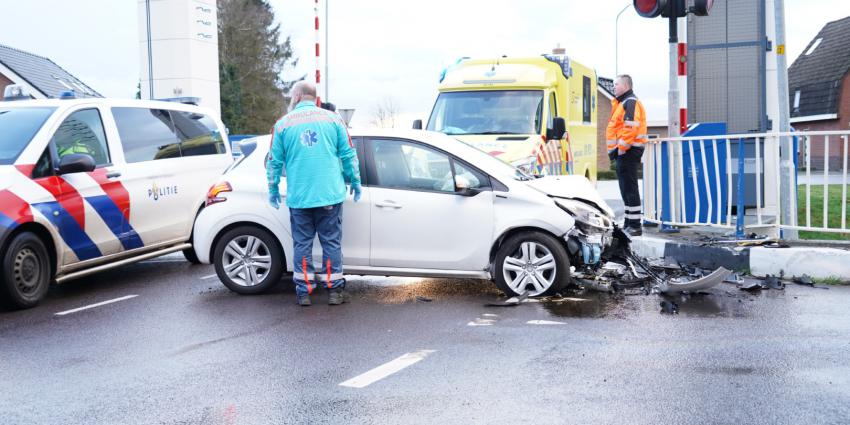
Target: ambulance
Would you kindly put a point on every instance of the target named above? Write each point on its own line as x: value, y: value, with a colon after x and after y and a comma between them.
x: 537, y: 113
x: 91, y: 184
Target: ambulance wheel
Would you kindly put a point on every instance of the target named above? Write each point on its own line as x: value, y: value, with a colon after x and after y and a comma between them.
x: 191, y: 256
x: 26, y: 271
x: 533, y: 262
x: 248, y: 260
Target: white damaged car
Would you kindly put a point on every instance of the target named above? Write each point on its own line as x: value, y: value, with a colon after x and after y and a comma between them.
x: 431, y: 206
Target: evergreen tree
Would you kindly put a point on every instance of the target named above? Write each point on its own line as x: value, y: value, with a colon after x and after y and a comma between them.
x: 251, y: 61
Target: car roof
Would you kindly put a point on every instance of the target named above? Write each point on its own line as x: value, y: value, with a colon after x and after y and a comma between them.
x: 107, y: 102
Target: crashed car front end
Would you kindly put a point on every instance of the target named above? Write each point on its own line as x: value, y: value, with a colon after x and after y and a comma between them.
x: 593, y: 234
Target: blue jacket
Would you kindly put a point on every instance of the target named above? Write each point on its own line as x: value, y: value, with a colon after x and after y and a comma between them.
x: 314, y: 147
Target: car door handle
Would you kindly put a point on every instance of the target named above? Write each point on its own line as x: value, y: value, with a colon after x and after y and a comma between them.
x: 387, y: 204
x: 113, y: 175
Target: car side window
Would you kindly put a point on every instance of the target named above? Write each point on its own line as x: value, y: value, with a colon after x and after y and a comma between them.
x: 403, y: 165
x: 82, y: 133
x: 146, y: 134
x: 198, y: 134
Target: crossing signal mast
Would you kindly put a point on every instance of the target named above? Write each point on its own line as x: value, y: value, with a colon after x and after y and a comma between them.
x: 677, y: 113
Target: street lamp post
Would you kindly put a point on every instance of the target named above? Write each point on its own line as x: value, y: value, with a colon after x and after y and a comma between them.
x: 617, y: 41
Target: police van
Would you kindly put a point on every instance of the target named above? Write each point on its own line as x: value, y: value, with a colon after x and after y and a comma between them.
x: 91, y: 184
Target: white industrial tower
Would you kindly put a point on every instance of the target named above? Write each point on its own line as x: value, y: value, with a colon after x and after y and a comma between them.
x: 178, y: 50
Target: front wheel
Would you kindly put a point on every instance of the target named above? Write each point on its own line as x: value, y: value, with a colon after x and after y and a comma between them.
x: 25, y: 276
x: 248, y: 260
x: 533, y: 262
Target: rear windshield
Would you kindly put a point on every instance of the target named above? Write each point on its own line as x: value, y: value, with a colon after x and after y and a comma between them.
x: 17, y: 128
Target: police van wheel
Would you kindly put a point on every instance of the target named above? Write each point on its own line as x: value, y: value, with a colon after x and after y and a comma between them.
x: 191, y: 256
x: 248, y: 260
x: 533, y: 262
x: 26, y: 271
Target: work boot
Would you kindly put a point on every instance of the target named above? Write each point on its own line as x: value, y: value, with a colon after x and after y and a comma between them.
x: 337, y: 297
x: 304, y: 301
x: 634, y: 231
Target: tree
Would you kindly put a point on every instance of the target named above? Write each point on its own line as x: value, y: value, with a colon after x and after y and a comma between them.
x: 251, y: 61
x: 385, y: 113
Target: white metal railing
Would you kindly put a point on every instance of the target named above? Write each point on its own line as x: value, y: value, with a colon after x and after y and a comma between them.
x: 694, y: 181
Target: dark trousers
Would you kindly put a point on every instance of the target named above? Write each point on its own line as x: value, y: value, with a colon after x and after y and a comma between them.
x: 627, y: 174
x: 306, y: 224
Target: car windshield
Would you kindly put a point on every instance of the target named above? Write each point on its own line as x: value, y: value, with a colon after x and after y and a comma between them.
x: 488, y: 112
x: 17, y: 128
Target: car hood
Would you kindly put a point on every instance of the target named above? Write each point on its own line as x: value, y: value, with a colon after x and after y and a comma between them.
x: 571, y: 187
x: 508, y: 148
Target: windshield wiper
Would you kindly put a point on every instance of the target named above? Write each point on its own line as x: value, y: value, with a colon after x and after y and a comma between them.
x: 486, y: 133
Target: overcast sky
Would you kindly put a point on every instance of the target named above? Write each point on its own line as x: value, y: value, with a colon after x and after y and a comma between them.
x: 391, y: 49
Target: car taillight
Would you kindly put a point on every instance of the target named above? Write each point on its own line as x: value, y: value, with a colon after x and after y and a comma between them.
x: 217, y: 189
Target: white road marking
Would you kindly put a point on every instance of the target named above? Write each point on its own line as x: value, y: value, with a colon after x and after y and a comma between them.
x: 481, y: 322
x: 62, y: 313
x: 544, y: 322
x: 209, y: 277
x: 386, y: 369
x: 490, y: 315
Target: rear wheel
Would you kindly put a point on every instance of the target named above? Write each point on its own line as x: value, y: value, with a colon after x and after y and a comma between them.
x: 248, y: 260
x: 533, y: 262
x: 25, y: 276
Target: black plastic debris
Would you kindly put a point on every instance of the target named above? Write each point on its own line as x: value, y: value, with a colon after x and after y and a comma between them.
x: 423, y: 299
x: 669, y: 307
x: 510, y: 302
x: 804, y: 280
x: 751, y: 285
x: 773, y: 282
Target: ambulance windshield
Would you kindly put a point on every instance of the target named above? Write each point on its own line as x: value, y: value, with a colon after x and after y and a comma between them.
x: 488, y: 112
x: 17, y: 128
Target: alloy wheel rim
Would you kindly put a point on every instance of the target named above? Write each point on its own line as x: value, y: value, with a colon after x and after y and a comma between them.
x: 26, y: 271
x: 532, y: 264
x: 247, y: 260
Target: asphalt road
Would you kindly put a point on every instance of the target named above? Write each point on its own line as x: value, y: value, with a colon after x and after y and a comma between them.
x: 185, y: 350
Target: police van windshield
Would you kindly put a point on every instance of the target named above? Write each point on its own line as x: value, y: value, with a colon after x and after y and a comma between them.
x: 17, y: 128
x: 488, y: 112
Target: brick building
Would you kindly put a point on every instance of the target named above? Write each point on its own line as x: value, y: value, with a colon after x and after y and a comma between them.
x: 40, y: 76
x: 819, y: 89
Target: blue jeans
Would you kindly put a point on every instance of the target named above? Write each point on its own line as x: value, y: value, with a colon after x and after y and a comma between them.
x: 305, y: 224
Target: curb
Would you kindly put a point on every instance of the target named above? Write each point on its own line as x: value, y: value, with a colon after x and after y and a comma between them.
x: 819, y: 263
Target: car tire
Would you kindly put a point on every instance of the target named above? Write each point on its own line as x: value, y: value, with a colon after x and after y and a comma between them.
x: 245, y: 249
x: 532, y: 261
x: 191, y: 256
x: 26, y: 273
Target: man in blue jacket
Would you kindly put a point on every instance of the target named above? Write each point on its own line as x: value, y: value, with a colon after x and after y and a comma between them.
x: 314, y: 148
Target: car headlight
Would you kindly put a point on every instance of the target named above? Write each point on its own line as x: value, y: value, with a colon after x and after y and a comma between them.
x: 526, y: 165
x: 583, y: 213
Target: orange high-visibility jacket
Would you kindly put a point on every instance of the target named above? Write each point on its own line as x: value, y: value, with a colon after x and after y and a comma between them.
x: 627, y: 126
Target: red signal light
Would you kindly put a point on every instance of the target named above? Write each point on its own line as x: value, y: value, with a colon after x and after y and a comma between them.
x: 650, y: 8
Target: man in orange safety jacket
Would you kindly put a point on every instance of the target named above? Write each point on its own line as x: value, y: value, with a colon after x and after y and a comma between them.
x: 626, y: 135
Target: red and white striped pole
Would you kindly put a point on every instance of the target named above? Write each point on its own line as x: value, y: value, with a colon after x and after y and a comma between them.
x: 682, y: 72
x: 318, y: 56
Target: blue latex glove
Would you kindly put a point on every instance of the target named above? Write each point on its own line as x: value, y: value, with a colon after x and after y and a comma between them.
x: 274, y: 199
x: 355, y: 189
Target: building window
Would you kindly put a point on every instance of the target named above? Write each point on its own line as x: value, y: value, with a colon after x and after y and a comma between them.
x: 814, y: 46
x: 797, y: 100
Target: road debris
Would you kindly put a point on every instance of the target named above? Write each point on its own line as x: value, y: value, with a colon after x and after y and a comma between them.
x: 510, y: 302
x: 669, y: 307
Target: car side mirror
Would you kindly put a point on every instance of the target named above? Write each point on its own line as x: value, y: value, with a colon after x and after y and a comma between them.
x: 463, y: 187
x: 417, y: 124
x: 558, y: 130
x: 76, y: 163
